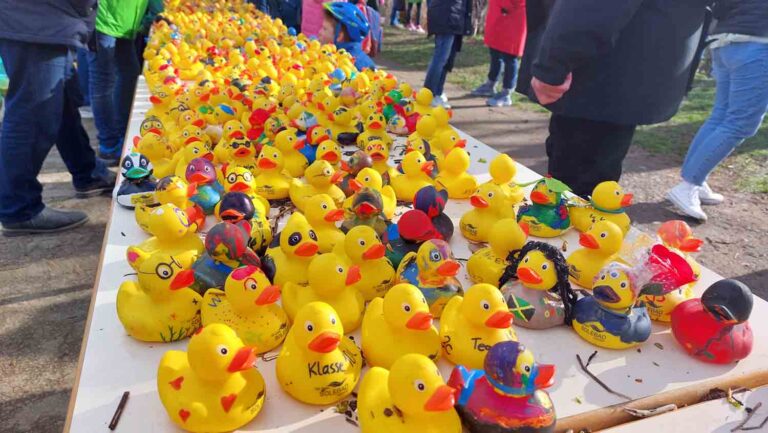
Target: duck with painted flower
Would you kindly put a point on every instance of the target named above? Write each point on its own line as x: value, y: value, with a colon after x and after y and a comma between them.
x: 547, y: 216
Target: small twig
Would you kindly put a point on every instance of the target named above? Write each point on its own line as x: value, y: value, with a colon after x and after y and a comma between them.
x: 750, y: 414
x: 119, y: 410
x: 600, y: 382
x: 756, y: 427
x: 591, y: 357
x: 645, y: 413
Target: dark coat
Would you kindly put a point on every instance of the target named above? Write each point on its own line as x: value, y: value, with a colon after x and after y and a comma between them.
x: 631, y: 59
x: 449, y: 17
x: 745, y: 17
x: 57, y: 22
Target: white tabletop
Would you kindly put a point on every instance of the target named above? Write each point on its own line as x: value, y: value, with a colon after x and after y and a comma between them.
x: 112, y: 362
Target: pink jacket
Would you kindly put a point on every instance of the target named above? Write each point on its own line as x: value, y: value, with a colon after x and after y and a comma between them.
x: 312, y: 16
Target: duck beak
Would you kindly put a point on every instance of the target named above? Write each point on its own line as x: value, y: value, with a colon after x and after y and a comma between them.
x: 155, y: 131
x: 539, y: 197
x: 722, y: 314
x: 353, y: 275
x: 237, y: 134
x: 478, y: 202
x: 378, y: 156
x: 545, y: 376
x: 427, y: 167
x: 198, y: 177
x: 331, y: 157
x: 192, y: 140
x: 441, y: 400
x: 191, y: 190
x: 244, y: 359
x: 199, y: 123
x: 500, y: 320
x: 588, y: 241
x: 208, y: 156
x: 337, y: 177
x: 627, y: 200
x: 269, y: 295
x: 266, y: 164
x: 525, y: 228
x: 691, y: 245
x: 299, y: 144
x: 355, y: 185
x: 375, y: 252
x: 605, y: 294
x: 528, y: 275
x: 334, y: 215
x: 449, y: 269
x: 155, y: 100
x: 183, y: 279
x: 232, y: 215
x: 420, y: 321
x: 325, y: 342
x: 240, y: 187
x: 307, y: 249
x: 242, y: 152
x: 461, y: 143
x: 374, y: 125
x: 367, y: 209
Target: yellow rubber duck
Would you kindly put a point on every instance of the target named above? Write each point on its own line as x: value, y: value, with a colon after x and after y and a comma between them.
x: 322, y: 214
x: 443, y: 143
x: 155, y: 147
x: 175, y: 190
x: 600, y: 244
x: 410, y: 397
x: 398, y: 324
x: 362, y: 247
x: 487, y: 264
x: 425, y: 132
x: 171, y: 234
x: 238, y: 151
x: 192, y: 150
x: 289, y: 144
x: 375, y: 125
x: 331, y: 281
x: 370, y: 178
x: 271, y: 182
x: 489, y: 205
x: 317, y: 365
x: 214, y: 385
x: 472, y: 324
x: 379, y: 153
x: 503, y: 170
x: 289, y: 260
x: 160, y: 306
x: 453, y: 176
x: 329, y: 150
x: 442, y: 117
x: 248, y: 304
x: 608, y: 202
x: 416, y: 175
x: 321, y: 178
x: 342, y: 129
x: 422, y: 102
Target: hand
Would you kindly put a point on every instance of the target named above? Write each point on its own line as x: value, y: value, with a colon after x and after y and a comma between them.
x: 546, y: 93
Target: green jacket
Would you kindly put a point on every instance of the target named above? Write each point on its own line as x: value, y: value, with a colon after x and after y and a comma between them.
x: 120, y: 18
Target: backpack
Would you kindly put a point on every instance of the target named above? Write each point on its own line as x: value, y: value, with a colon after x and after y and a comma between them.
x: 372, y: 42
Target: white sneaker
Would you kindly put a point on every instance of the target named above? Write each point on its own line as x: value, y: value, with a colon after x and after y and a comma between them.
x: 86, y: 112
x: 709, y: 197
x: 685, y: 197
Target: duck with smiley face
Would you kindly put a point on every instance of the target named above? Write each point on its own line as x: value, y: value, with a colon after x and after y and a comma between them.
x: 291, y: 252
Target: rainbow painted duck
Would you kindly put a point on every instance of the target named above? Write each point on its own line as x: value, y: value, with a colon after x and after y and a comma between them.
x: 547, y: 216
x: 226, y: 247
x: 202, y: 173
x: 433, y: 270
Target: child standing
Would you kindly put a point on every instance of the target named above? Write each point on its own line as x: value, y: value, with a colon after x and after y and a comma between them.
x: 345, y: 26
x: 505, y: 33
x: 449, y: 21
x: 414, y: 25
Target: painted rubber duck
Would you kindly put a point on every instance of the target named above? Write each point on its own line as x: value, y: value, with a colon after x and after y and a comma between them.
x: 237, y: 206
x: 222, y: 152
x: 367, y: 209
x: 600, y: 244
x: 536, y: 287
x: 172, y: 189
x: 288, y: 258
x: 714, y: 328
x: 356, y: 163
x: 248, y: 304
x: 608, y: 202
x: 361, y: 247
x: 430, y: 202
x: 331, y: 281
x: 214, y: 385
x: 506, y: 239
x: 398, y: 324
x: 489, y: 205
x: 410, y: 397
x: 322, y: 214
x: 136, y: 170
x: 341, y: 129
x: 289, y: 144
x: 171, y: 232
x: 453, y: 176
x: 547, y: 216
x: 416, y: 175
x: 240, y: 151
x: 195, y: 146
x: 433, y: 270
x: 370, y: 178
x: 202, y: 173
x: 507, y: 395
x: 503, y: 170
x: 321, y: 178
x: 240, y: 179
x: 472, y: 324
x: 271, y: 182
x: 160, y: 306
x: 226, y: 248
x: 379, y: 153
x: 374, y: 129
x: 317, y: 365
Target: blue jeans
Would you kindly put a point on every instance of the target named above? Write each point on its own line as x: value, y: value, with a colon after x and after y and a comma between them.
x: 509, y: 63
x: 446, y: 47
x: 83, y: 77
x: 741, y: 101
x: 113, y: 69
x: 41, y: 109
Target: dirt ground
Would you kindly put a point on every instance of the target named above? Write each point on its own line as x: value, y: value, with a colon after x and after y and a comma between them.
x: 45, y: 281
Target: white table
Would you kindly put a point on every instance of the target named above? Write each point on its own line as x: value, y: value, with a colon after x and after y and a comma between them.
x: 111, y: 362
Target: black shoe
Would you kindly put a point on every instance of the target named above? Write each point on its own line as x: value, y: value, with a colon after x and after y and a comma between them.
x: 111, y: 159
x: 102, y: 184
x: 50, y: 220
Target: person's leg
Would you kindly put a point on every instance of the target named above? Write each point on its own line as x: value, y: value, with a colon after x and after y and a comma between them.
x: 128, y: 70
x: 453, y: 49
x: 83, y: 76
x: 418, y: 17
x: 103, y: 71
x: 435, y: 70
x: 504, y: 97
x: 494, y: 69
x: 408, y: 22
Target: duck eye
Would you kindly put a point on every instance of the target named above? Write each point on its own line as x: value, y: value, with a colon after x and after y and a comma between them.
x: 525, y: 260
x: 294, y: 239
x: 324, y: 206
x: 617, y: 192
x: 490, y: 195
x: 207, y: 169
x: 544, y: 266
x: 274, y: 155
x: 366, y: 179
x: 603, y: 235
x: 527, y: 368
x: 250, y: 284
x: 127, y: 163
x: 232, y: 178
x: 406, y: 308
x: 361, y: 242
x: 602, y: 277
x: 312, y: 235
x: 247, y: 176
x: 623, y: 284
x: 164, y: 271
x: 485, y: 305
x: 419, y: 385
x: 333, y: 320
x: 222, y: 350
x: 309, y: 326
x: 434, y: 255
x: 191, y: 169
x: 195, y: 150
x: 340, y: 269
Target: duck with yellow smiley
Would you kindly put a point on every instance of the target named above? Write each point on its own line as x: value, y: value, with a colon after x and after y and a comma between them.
x: 600, y: 244
x: 547, y: 216
x: 608, y: 202
x: 291, y: 252
x: 321, y: 178
x: 409, y: 397
x: 433, y: 270
x: 271, y: 182
x: 536, y: 288
x: 316, y: 364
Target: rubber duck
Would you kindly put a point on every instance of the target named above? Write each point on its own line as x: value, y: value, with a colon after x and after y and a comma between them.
x: 322, y: 214
x: 536, y: 287
x: 202, y: 173
x: 237, y: 206
x: 489, y: 205
x: 444, y: 142
x: 248, y: 305
x: 214, y: 385
x: 226, y: 248
x: 503, y: 170
x: 416, y: 175
x: 608, y: 202
x: 379, y: 153
x: 290, y: 258
x: 271, y: 182
x: 547, y: 216
x: 453, y: 176
x: 329, y: 150
x: 505, y: 240
x: 410, y: 397
x: 289, y: 144
x: 506, y: 395
x: 422, y: 102
x: 321, y: 178
x: 160, y: 306
x: 151, y: 124
x: 171, y: 234
x: 362, y: 247
x: 431, y: 202
x: 317, y: 134
x: 155, y: 147
x: 341, y: 129
x: 195, y: 149
x: 370, y: 178
x: 192, y: 135
x: 172, y: 189
x: 367, y: 209
x: 433, y: 270
x: 714, y: 328
x: 374, y: 129
x: 239, y: 151
x: 137, y: 184
x: 600, y: 244
x: 317, y: 365
x: 442, y: 117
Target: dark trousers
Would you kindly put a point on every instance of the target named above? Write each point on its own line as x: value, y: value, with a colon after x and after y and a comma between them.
x: 41, y: 109
x: 583, y: 153
x: 446, y: 47
x: 408, y: 10
x: 508, y: 62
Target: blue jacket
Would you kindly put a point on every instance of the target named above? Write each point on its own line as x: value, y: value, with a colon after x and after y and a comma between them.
x: 744, y: 17
x: 356, y: 50
x: 55, y: 22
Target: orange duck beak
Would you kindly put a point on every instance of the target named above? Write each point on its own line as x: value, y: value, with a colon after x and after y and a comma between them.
x: 691, y: 245
x: 242, y: 152
x: 331, y: 157
x: 375, y: 252
x: 478, y: 202
x: 307, y: 249
x: 334, y: 215
x: 528, y: 275
x: 183, y: 279
x: 269, y: 295
x: 355, y: 185
x: 325, y: 342
x: 588, y: 241
x: 198, y: 177
x: 299, y: 144
x: 441, y: 400
x: 199, y: 123
x: 337, y: 177
x: 243, y: 360
x: 525, y: 228
x: 449, y: 269
x: 266, y: 164
x: 500, y: 320
x: 627, y: 200
x: 240, y: 187
x: 539, y: 197
x: 353, y: 275
x: 427, y: 167
x: 461, y: 143
x: 546, y: 376
x: 420, y: 321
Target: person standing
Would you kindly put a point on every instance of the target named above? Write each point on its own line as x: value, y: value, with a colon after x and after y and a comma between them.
x: 449, y: 21
x: 37, y: 44
x: 414, y: 24
x: 740, y: 66
x: 505, y: 33
x: 602, y: 68
x: 114, y: 68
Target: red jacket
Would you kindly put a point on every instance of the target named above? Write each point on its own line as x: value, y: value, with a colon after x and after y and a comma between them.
x: 505, y: 28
